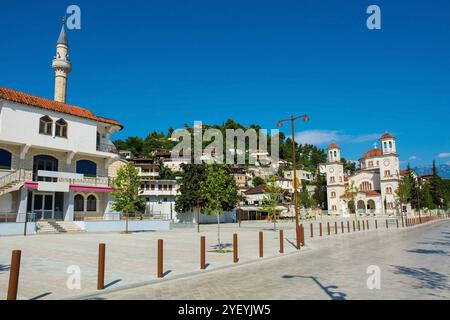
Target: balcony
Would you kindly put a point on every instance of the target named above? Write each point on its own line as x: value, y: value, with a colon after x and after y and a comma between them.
x: 149, y: 192
x: 109, y: 148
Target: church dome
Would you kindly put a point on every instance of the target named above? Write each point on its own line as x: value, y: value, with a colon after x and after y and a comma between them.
x: 372, y: 153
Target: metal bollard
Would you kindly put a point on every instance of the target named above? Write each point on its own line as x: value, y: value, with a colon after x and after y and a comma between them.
x: 14, y: 275
x: 342, y: 226
x: 376, y: 224
x: 354, y: 226
x: 235, y: 248
x: 367, y: 224
x: 160, y: 259
x: 348, y: 226
x: 359, y: 225
x: 397, y: 223
x: 320, y: 229
x: 281, y: 241
x: 101, y: 267
x: 335, y: 227
x: 328, y: 228
x: 202, y: 252
x: 312, y: 230
x: 387, y: 224
x: 261, y: 244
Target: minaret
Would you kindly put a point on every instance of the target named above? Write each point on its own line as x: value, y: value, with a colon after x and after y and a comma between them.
x: 61, y: 65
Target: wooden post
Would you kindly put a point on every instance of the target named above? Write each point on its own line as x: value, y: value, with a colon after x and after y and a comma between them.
x: 261, y: 244
x: 281, y: 241
x: 297, y: 235
x: 302, y: 235
x: 376, y: 224
x: 312, y: 230
x: 367, y: 222
x: 348, y: 226
x: 202, y: 252
x: 335, y: 227
x: 354, y: 229
x: 397, y: 223
x: 387, y: 224
x: 235, y: 248
x: 14, y: 275
x: 342, y: 226
x: 364, y: 225
x: 101, y: 266
x: 160, y: 259
x: 328, y: 228
x: 320, y: 229
x: 359, y: 225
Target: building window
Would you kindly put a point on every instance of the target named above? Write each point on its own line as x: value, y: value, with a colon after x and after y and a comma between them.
x: 92, y: 203
x: 333, y: 194
x: 333, y: 208
x: 389, y: 190
x: 87, y: 167
x: 370, y: 163
x: 387, y: 173
x: 45, y: 125
x: 332, y: 180
x: 61, y: 128
x: 79, y: 203
x: 5, y: 159
x: 365, y: 186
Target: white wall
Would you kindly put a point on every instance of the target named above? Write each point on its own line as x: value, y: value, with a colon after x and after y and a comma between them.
x: 11, y: 229
x: 119, y: 226
x: 82, y: 133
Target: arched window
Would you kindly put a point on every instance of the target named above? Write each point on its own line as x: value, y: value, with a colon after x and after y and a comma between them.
x: 5, y: 159
x: 87, y: 167
x: 389, y: 190
x: 365, y: 186
x: 333, y: 194
x: 79, y: 203
x: 61, y: 128
x: 92, y: 203
x: 45, y: 125
x: 390, y: 144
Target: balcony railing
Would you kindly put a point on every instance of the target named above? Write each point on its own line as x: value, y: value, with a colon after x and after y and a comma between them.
x: 104, y: 147
x: 22, y: 175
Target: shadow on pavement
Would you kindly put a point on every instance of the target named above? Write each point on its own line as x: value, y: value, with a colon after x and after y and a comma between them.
x: 435, y: 243
x: 327, y: 289
x: 426, y: 251
x: 4, y: 267
x: 428, y: 279
x: 112, y: 283
x: 41, y: 296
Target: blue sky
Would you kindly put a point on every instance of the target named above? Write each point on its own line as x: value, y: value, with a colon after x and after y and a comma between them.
x: 159, y: 64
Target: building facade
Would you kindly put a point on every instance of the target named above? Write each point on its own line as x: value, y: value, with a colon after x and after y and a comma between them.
x: 54, y: 157
x: 373, y: 185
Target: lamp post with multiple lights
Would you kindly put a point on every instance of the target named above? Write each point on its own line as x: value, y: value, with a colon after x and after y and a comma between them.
x: 295, y: 181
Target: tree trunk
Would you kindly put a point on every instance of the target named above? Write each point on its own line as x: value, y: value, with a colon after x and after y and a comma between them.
x: 218, y: 230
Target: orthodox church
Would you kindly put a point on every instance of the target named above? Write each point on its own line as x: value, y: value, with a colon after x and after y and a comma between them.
x: 373, y: 185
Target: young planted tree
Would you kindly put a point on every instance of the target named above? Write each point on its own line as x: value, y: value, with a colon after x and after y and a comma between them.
x: 272, y: 199
x: 219, y: 193
x: 126, y: 191
x: 403, y: 193
x: 350, y: 194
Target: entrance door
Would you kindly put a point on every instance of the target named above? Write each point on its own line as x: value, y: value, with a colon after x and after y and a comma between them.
x: 45, y: 163
x: 43, y: 206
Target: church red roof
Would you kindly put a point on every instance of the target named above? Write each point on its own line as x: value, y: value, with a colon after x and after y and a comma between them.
x: 34, y: 101
x: 387, y: 136
x: 372, y: 153
x: 333, y: 146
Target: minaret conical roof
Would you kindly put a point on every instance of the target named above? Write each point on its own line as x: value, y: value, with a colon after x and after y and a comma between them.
x: 62, y: 35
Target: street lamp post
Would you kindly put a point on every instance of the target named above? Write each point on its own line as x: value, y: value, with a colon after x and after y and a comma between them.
x: 295, y: 183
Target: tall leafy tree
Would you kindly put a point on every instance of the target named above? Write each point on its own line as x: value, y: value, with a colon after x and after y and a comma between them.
x: 272, y: 200
x: 190, y: 198
x: 126, y: 191
x: 320, y: 192
x: 350, y: 194
x: 436, y: 187
x: 219, y: 192
x: 427, y: 198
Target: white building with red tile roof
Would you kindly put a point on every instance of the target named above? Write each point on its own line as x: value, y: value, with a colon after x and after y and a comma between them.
x: 373, y: 185
x: 54, y: 157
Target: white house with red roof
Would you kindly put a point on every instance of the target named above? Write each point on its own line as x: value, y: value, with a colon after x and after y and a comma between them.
x: 375, y: 182
x: 54, y: 157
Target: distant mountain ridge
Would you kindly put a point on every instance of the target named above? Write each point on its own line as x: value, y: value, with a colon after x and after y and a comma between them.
x: 443, y: 170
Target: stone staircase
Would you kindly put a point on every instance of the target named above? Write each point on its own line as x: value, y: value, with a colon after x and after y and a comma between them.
x: 13, y: 181
x: 54, y: 227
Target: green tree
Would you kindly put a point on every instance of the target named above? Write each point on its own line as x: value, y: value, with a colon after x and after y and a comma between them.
x: 320, y: 192
x: 403, y: 193
x: 427, y: 199
x: 258, y: 181
x: 350, y: 192
x: 126, y: 191
x: 272, y: 199
x: 190, y: 198
x: 219, y: 192
x: 436, y: 187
